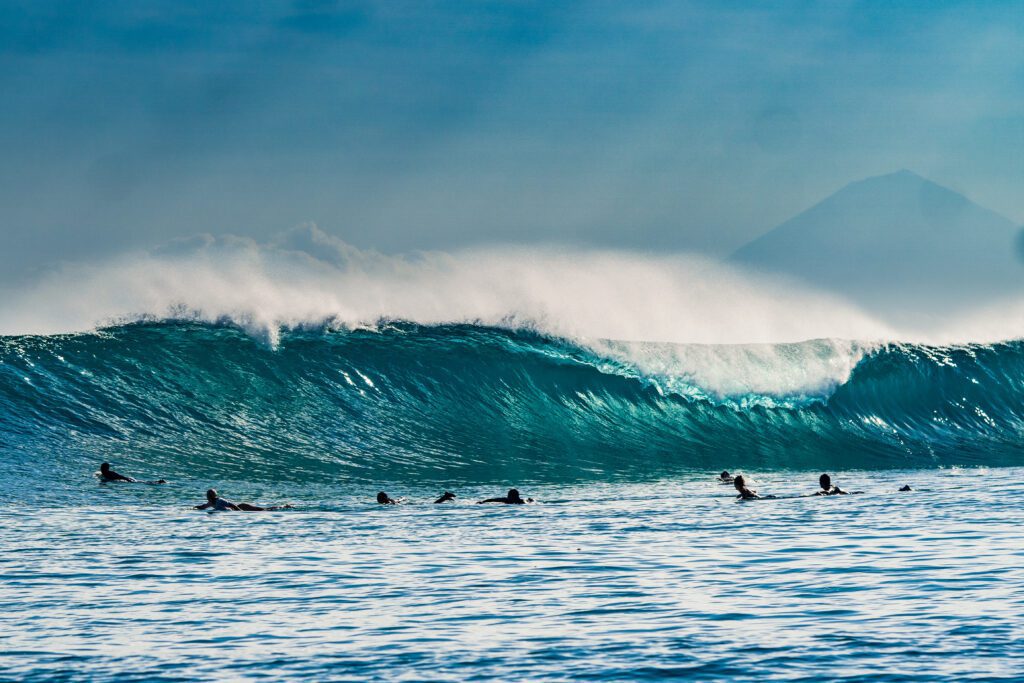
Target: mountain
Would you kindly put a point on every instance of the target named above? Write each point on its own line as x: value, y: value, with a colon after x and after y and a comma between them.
x: 896, y: 242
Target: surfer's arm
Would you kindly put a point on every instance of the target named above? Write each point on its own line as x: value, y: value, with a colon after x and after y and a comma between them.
x: 204, y: 506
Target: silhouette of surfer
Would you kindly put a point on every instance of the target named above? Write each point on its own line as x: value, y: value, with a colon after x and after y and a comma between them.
x: 746, y: 493
x: 725, y: 477
x: 445, y: 497
x: 906, y: 487
x: 827, y: 489
x: 384, y: 499
x: 215, y: 502
x: 108, y: 475
x: 512, y: 498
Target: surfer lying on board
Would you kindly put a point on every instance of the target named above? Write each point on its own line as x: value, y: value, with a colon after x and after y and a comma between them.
x: 746, y: 494
x: 725, y: 477
x: 385, y: 499
x: 445, y: 497
x: 215, y: 502
x: 827, y: 489
x: 513, y: 498
x: 107, y: 474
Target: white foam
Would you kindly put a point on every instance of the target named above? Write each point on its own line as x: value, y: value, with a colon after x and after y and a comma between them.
x: 743, y: 374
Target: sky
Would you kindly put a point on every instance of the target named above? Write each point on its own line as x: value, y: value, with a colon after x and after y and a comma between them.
x: 398, y: 126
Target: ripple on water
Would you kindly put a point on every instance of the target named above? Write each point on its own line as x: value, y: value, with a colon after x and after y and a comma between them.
x: 623, y: 585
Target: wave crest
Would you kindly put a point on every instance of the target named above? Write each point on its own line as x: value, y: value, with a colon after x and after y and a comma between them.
x: 482, y: 403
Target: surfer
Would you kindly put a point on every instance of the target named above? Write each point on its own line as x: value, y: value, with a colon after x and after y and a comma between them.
x: 746, y: 493
x: 827, y: 489
x: 215, y: 502
x: 906, y: 487
x: 513, y: 498
x: 384, y: 499
x: 445, y: 497
x: 725, y: 477
x: 107, y: 474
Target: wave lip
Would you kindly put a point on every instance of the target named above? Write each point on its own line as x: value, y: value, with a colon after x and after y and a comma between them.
x: 480, y: 403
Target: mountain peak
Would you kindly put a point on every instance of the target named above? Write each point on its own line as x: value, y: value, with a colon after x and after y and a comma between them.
x: 903, y: 179
x: 892, y: 235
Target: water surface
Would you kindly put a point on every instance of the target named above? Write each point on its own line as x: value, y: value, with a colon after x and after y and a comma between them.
x: 623, y: 581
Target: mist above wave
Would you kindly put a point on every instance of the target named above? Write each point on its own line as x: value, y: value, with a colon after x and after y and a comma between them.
x: 305, y: 277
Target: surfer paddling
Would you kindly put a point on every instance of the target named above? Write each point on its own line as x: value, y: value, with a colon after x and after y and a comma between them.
x: 746, y: 493
x: 827, y: 489
x: 215, y: 502
x: 108, y: 475
x: 512, y: 498
x: 445, y: 497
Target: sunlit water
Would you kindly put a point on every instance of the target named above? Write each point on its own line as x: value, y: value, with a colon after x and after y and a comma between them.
x: 621, y: 581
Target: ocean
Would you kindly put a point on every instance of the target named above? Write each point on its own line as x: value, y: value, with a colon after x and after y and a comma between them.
x: 633, y: 563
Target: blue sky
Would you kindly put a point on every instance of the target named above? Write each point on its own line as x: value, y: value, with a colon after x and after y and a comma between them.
x: 411, y: 125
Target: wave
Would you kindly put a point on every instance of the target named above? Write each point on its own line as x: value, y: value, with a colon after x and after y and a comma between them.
x: 472, y: 402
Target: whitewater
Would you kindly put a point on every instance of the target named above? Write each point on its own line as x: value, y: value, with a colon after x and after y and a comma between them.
x: 610, y: 386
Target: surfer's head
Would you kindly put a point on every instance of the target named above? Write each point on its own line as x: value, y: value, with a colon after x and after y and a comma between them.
x: 724, y: 474
x: 826, y: 482
x: 105, y: 467
x: 514, y: 497
x: 739, y: 482
x: 383, y: 498
x: 211, y: 495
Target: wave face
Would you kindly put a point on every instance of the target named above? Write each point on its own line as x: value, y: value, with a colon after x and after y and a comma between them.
x: 472, y: 403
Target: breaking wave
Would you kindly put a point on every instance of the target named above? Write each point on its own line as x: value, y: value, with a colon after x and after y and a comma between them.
x: 470, y: 402
x: 304, y: 357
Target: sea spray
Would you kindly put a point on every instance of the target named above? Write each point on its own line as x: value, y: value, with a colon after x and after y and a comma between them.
x: 306, y: 278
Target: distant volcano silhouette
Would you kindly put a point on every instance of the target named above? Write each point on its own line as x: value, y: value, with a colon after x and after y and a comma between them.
x: 896, y: 243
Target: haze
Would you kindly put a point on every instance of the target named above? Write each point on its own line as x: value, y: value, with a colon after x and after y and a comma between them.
x: 411, y: 125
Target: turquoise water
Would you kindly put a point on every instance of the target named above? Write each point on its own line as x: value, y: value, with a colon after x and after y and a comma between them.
x: 409, y: 403
x: 621, y: 581
x: 635, y: 564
